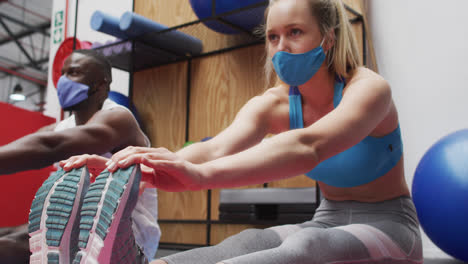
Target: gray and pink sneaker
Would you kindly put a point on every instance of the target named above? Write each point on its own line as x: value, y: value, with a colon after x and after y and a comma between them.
x: 106, y: 234
x: 54, y: 217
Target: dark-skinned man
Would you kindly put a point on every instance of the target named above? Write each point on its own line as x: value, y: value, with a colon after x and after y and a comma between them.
x: 97, y: 126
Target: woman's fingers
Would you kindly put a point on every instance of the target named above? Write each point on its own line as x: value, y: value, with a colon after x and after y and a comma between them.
x: 74, y: 162
x: 159, y: 166
x: 130, y: 151
x: 68, y: 161
x: 123, y: 154
x: 133, y: 155
x: 95, y: 163
x: 63, y: 162
x: 124, y: 163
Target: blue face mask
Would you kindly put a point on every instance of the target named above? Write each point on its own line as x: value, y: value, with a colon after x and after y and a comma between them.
x: 297, y: 69
x: 71, y: 93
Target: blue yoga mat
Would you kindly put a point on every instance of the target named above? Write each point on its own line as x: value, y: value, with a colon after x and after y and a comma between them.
x: 135, y: 25
x: 107, y: 24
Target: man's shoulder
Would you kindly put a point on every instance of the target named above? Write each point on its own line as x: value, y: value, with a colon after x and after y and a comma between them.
x: 116, y: 112
x: 47, y: 128
x: 122, y: 119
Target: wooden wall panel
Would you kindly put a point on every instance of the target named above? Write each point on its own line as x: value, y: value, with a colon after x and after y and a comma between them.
x: 357, y: 5
x: 221, y: 85
x: 169, y: 13
x: 182, y: 205
x: 183, y: 233
x: 161, y: 102
x: 357, y: 28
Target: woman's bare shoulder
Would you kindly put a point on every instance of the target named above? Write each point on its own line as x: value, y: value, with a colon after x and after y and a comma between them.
x: 363, y: 73
x: 364, y: 79
x: 279, y: 92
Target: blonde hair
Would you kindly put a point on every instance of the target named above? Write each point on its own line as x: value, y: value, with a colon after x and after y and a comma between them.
x: 343, y: 57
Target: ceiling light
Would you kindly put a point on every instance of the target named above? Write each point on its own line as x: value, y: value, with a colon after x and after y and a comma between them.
x: 17, y: 94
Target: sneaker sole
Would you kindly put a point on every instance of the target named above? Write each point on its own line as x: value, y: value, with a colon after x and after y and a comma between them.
x: 107, y: 208
x: 53, y: 222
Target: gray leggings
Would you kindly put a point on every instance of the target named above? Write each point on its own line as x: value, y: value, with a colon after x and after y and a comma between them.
x: 340, y: 232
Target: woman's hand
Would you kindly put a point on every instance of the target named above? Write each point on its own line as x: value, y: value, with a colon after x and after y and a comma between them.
x: 160, y: 167
x: 96, y: 164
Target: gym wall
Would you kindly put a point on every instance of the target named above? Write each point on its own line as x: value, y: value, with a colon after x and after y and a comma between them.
x: 17, y: 190
x: 428, y: 74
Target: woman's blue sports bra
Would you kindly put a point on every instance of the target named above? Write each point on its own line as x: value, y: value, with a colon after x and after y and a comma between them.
x: 362, y: 163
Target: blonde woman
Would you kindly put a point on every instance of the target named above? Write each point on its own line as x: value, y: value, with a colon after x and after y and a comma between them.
x: 333, y: 120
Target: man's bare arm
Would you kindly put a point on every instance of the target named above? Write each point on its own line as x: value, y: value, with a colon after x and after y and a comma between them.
x: 106, y: 131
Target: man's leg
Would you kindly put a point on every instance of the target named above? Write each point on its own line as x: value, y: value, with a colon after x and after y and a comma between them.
x: 14, y: 244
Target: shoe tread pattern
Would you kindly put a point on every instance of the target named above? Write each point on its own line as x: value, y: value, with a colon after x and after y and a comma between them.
x: 61, y: 206
x: 90, y: 207
x: 38, y: 203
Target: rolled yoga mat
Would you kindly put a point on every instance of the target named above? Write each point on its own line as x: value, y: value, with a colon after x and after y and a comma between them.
x: 108, y: 24
x: 177, y: 42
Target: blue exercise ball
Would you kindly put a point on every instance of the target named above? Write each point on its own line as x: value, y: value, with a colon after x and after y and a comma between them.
x: 247, y: 19
x: 440, y: 193
x: 123, y: 100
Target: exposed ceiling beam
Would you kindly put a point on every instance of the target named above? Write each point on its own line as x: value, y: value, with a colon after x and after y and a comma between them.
x: 25, y: 33
x: 38, y: 62
x: 24, y: 9
x: 18, y: 67
x: 21, y: 23
x: 23, y: 76
x: 31, y: 60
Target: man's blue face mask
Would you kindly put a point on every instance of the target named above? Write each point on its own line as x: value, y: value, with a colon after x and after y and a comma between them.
x: 71, y: 93
x: 297, y: 69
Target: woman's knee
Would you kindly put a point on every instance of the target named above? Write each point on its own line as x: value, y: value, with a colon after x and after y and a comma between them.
x: 301, y: 244
x: 158, y: 261
x: 253, y: 236
x: 246, y: 242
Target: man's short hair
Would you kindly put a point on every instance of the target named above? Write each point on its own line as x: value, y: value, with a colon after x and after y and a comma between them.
x: 102, y: 62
